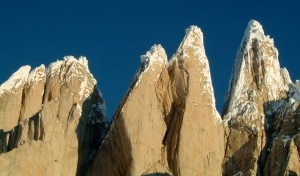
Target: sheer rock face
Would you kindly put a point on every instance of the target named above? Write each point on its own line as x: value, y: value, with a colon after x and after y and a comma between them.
x: 50, y: 119
x: 168, y: 122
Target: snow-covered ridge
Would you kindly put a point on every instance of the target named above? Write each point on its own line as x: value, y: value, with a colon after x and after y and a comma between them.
x: 70, y: 67
x: 254, y: 30
x: 295, y: 92
x: 193, y: 30
x: 192, y: 47
x: 37, y: 74
x: 16, y: 80
x: 68, y: 60
x: 153, y: 60
x: 193, y: 39
x: 65, y: 69
x: 155, y: 56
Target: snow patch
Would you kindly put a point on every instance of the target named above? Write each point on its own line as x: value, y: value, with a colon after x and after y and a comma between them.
x: 193, y: 39
x: 54, y: 67
x: 16, y: 80
x: 193, y: 30
x: 254, y: 29
x: 155, y: 56
x: 295, y: 93
x: 256, y: 65
x: 297, y: 84
x: 78, y: 108
x: 154, y: 59
x: 70, y: 67
x: 38, y: 74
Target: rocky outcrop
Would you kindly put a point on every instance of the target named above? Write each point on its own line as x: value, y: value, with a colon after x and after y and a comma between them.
x: 167, y: 123
x: 50, y: 119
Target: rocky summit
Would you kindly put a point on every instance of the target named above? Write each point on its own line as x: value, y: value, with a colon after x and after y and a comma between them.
x: 50, y: 119
x: 166, y: 124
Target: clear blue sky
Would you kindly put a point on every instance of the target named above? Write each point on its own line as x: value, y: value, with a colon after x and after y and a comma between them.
x: 113, y: 35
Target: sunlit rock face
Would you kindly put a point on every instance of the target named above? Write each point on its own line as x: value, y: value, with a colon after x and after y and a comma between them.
x: 51, y: 118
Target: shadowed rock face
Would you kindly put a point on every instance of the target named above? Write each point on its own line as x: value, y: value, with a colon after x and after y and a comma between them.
x: 166, y: 124
x: 51, y: 119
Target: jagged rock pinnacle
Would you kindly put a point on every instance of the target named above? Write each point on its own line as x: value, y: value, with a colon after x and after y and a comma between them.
x: 50, y: 118
x: 155, y: 55
x: 53, y: 119
x: 193, y: 40
x: 193, y: 30
x: 258, y: 88
x: 254, y: 28
x: 257, y: 69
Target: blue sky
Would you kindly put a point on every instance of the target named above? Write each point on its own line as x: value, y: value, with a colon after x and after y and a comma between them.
x: 113, y: 35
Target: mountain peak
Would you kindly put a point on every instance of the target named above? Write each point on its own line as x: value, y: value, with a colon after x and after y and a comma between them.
x: 193, y: 37
x: 16, y: 80
x: 254, y: 28
x: 155, y: 56
x: 257, y: 76
x: 253, y: 32
x: 192, y: 30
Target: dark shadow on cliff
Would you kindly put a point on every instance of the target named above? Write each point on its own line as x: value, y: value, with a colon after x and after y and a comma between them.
x: 12, y: 139
x: 270, y: 131
x: 90, y: 131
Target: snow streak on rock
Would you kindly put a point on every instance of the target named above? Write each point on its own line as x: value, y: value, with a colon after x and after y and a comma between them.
x: 256, y: 79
